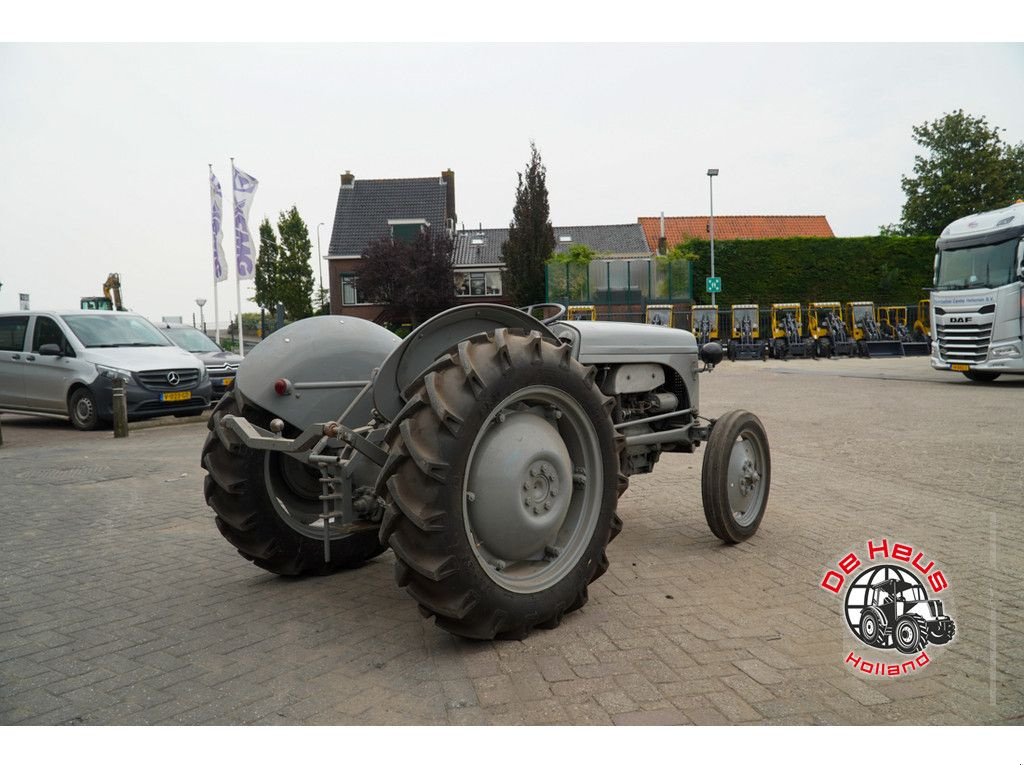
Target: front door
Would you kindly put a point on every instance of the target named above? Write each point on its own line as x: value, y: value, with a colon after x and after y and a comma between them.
x: 47, y: 378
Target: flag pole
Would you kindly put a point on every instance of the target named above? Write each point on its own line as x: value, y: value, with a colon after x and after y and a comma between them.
x: 216, y: 309
x: 238, y: 280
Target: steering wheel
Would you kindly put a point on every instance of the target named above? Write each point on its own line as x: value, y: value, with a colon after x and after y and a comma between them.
x: 560, y: 311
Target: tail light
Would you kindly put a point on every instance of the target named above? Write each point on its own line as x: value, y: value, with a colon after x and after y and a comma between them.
x: 282, y: 387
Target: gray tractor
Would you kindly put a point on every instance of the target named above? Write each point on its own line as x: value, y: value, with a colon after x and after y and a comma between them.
x: 488, y: 450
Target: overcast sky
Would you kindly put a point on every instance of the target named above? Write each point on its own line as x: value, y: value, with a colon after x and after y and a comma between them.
x: 104, y: 148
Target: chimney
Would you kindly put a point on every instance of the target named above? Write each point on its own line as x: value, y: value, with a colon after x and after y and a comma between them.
x: 662, y: 242
x: 347, y: 179
x: 448, y: 178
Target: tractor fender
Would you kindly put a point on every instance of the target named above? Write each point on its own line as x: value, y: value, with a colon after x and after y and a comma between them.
x: 880, y: 619
x: 433, y: 338
x: 322, y: 350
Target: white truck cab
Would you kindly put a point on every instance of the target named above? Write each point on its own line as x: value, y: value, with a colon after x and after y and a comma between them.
x: 977, y: 303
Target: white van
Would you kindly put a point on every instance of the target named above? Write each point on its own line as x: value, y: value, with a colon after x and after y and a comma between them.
x: 64, y: 364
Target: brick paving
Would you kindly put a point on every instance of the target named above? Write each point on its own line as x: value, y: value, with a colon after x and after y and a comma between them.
x: 121, y: 604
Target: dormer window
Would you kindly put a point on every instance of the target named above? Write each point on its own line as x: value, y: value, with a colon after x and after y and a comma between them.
x: 565, y: 238
x: 407, y: 230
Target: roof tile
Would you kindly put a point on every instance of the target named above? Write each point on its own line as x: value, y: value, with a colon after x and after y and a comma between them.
x: 680, y: 228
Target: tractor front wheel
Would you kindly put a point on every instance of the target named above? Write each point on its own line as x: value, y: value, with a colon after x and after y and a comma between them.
x: 943, y: 635
x: 502, y: 481
x: 268, y: 505
x: 736, y: 476
x: 910, y: 634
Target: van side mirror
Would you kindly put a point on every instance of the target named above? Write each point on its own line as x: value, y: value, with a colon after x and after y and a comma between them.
x: 50, y: 350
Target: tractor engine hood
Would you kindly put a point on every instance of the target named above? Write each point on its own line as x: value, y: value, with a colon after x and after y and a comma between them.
x: 599, y: 340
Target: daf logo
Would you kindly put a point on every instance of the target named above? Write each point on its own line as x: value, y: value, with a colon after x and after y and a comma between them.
x: 173, y: 378
x: 961, y: 320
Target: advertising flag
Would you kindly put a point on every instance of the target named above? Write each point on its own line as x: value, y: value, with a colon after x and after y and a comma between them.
x: 245, y: 188
x: 220, y: 264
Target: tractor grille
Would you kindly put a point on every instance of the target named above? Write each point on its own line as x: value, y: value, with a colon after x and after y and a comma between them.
x: 186, y: 379
x: 964, y: 343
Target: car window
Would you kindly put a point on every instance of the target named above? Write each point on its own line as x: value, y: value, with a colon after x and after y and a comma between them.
x: 48, y: 332
x: 12, y: 332
x: 191, y: 340
x: 115, y: 330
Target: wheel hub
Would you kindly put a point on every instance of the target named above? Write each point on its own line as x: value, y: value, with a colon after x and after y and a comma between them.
x: 520, y: 487
x: 744, y: 478
x: 541, y: 484
x: 84, y: 408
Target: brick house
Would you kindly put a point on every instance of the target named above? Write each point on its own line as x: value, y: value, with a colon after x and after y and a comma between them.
x: 370, y: 209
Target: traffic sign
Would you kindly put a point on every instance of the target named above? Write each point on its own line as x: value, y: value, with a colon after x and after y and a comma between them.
x: 714, y: 285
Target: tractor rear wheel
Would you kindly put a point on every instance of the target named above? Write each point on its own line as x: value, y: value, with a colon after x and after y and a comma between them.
x: 910, y: 633
x: 736, y: 476
x: 871, y: 631
x: 268, y: 504
x: 501, y: 485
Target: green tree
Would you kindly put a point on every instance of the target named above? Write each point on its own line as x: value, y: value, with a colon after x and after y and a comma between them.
x: 578, y: 253
x: 294, y: 271
x: 968, y: 168
x: 266, y: 268
x: 531, y: 238
x: 568, y: 272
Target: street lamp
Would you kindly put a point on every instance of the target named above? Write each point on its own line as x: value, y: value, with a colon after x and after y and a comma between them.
x: 712, y: 172
x: 320, y: 261
x: 202, y: 322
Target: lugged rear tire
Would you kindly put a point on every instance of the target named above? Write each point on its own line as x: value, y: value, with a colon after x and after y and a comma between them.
x: 472, y: 406
x: 236, y: 488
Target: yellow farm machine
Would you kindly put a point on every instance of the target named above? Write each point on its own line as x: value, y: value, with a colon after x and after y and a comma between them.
x: 870, y: 338
x: 788, y: 333
x: 746, y: 342
x: 704, y: 323
x: 892, y: 321
x: 827, y: 329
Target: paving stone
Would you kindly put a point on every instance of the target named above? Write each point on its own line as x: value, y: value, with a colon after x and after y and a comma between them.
x: 141, y: 613
x: 653, y: 717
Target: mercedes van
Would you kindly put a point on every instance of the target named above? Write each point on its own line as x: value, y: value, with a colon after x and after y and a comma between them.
x: 64, y: 364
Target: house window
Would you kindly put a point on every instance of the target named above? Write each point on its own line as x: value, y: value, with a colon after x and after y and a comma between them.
x: 407, y: 230
x: 349, y: 293
x: 482, y: 283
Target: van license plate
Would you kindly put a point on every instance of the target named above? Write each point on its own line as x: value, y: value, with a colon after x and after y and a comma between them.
x: 961, y: 367
x: 174, y: 397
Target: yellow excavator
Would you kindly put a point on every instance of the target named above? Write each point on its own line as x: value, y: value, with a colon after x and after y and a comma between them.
x: 111, y: 298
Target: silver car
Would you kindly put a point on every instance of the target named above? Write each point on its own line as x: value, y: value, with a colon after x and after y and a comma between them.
x: 64, y: 364
x: 221, y: 365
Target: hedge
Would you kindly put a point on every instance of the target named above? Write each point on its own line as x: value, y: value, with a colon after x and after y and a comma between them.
x: 885, y: 270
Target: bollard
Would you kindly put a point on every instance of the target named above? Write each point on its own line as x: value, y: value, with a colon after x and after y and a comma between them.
x: 120, y: 409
